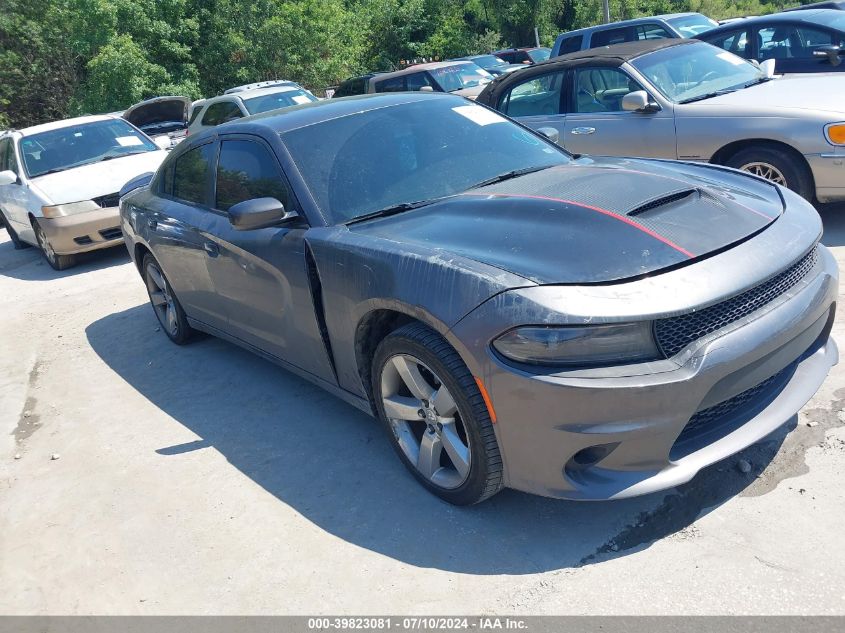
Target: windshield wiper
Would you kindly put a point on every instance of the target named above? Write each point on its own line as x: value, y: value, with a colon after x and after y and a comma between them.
x: 516, y: 173
x: 710, y: 95
x: 392, y: 210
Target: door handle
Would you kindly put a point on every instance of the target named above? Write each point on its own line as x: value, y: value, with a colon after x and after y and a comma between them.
x: 583, y: 130
x: 211, y: 248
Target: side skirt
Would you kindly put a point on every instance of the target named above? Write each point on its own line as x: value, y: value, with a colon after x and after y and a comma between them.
x: 356, y: 401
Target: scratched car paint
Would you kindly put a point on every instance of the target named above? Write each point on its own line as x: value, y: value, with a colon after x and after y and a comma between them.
x: 581, y: 329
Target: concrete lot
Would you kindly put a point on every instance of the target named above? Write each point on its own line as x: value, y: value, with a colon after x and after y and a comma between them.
x: 204, y: 480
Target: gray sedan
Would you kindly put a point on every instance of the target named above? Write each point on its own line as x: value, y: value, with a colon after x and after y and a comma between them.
x: 581, y: 329
x: 687, y: 100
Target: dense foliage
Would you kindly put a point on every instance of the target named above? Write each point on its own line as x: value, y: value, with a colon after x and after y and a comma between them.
x: 59, y: 58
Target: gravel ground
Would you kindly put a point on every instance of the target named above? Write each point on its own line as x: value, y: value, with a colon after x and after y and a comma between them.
x: 137, y: 477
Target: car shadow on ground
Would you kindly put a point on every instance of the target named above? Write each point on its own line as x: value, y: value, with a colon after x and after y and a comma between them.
x: 17, y: 263
x: 332, y: 464
x: 833, y: 218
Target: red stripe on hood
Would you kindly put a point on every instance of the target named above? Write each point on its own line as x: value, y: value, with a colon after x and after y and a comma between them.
x: 622, y: 218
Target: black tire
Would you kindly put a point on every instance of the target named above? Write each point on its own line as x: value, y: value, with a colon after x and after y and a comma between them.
x: 56, y: 261
x: 485, y: 476
x: 180, y: 332
x: 792, y: 167
x: 16, y: 241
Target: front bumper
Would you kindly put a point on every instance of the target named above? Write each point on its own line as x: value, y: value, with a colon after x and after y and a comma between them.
x: 83, y: 232
x: 829, y: 174
x: 617, y: 432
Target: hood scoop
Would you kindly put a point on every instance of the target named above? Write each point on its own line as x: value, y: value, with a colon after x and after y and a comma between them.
x: 663, y: 200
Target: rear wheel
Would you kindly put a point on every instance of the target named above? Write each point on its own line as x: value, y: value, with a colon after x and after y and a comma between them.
x: 58, y: 262
x: 166, y: 306
x: 777, y: 166
x: 435, y: 415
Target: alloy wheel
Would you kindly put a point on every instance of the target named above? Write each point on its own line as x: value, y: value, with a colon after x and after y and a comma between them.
x: 425, y: 421
x: 44, y: 244
x: 765, y: 170
x: 162, y: 299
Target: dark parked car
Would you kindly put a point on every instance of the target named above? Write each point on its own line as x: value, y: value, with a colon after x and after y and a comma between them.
x: 810, y: 41
x: 525, y: 55
x: 582, y: 329
x: 674, y: 25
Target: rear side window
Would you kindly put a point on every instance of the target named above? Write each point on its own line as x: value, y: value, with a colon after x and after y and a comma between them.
x: 221, y: 112
x: 571, y: 44
x: 194, y: 114
x: 247, y: 170
x: 396, y: 84
x: 537, y: 96
x: 7, y: 155
x: 191, y: 173
x: 735, y: 42
x: 652, y: 32
x: 609, y: 36
x: 351, y: 87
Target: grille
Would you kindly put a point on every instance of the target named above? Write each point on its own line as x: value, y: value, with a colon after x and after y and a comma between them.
x: 709, y: 419
x: 675, y: 333
x: 109, y: 200
x: 111, y: 234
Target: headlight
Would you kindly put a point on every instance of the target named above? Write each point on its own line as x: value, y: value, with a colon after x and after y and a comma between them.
x: 835, y: 133
x: 61, y: 210
x: 616, y: 344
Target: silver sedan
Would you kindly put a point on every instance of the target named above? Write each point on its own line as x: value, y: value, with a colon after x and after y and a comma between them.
x: 687, y: 100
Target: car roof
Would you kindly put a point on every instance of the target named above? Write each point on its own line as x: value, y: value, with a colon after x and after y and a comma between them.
x: 632, y: 22
x: 57, y: 125
x: 295, y: 117
x: 426, y: 66
x: 260, y: 92
x: 520, y: 48
x: 619, y: 53
x: 840, y: 5
x: 813, y: 16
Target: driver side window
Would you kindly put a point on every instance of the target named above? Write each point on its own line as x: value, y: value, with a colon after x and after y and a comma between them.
x: 247, y: 170
x: 602, y: 89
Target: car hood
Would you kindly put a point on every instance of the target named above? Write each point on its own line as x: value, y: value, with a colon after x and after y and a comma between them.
x: 821, y: 92
x: 154, y: 112
x: 595, y: 221
x: 97, y: 179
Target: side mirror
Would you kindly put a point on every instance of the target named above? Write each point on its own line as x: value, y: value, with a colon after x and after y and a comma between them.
x: 258, y: 213
x: 768, y: 68
x: 8, y: 177
x: 639, y: 101
x: 426, y: 89
x: 831, y: 52
x: 550, y: 133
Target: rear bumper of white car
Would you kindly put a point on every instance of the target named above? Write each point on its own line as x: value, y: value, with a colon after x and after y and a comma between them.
x: 83, y: 232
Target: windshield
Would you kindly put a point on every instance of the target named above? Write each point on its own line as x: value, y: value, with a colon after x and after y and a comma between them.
x: 539, y: 54
x: 265, y: 103
x: 693, y: 72
x: 692, y: 25
x: 77, y: 145
x: 421, y: 150
x: 460, y: 76
x: 835, y: 21
x: 489, y: 61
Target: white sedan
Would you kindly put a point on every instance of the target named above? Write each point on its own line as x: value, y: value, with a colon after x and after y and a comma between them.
x: 59, y: 183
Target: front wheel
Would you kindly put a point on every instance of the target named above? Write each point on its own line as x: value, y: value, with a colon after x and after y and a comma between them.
x: 435, y: 415
x: 776, y: 166
x: 56, y: 261
x: 166, y: 306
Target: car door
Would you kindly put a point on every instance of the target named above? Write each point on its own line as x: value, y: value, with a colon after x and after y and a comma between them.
x: 16, y: 199
x: 537, y: 101
x: 174, y: 222
x: 261, y: 275
x: 597, y: 124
